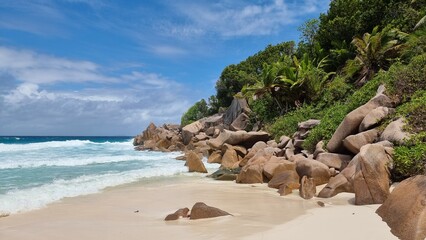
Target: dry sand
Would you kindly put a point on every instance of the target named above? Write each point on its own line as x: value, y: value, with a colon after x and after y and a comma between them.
x: 136, y: 211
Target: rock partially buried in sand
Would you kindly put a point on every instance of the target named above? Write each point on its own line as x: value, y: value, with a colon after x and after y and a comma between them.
x: 371, y: 179
x: 405, y: 209
x: 288, y: 178
x: 180, y: 213
x: 225, y: 174
x: 307, y: 188
x: 200, y: 210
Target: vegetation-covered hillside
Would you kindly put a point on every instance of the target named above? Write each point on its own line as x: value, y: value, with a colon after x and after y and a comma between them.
x: 341, y: 59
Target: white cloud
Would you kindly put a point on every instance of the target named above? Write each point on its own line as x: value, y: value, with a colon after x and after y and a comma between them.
x: 237, y: 18
x: 31, y: 67
x: 25, y: 92
x: 38, y: 104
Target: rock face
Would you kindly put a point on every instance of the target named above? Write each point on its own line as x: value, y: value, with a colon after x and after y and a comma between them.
x: 201, y: 210
x: 351, y: 122
x: 394, y: 132
x: 283, y: 141
x: 194, y: 163
x: 288, y: 178
x: 252, y: 171
x: 319, y: 148
x: 375, y: 116
x: 251, y: 174
x: 336, y: 185
x: 256, y: 147
x: 165, y: 138
x: 180, y: 213
x: 190, y: 131
x: 276, y: 165
x: 307, y: 188
x: 313, y: 169
x: 309, y: 124
x: 405, y: 209
x: 334, y: 160
x: 230, y: 159
x: 369, y: 169
x: 215, y: 157
x: 243, y: 138
x: 354, y: 142
x: 240, y: 123
x: 372, y: 177
x: 238, y: 106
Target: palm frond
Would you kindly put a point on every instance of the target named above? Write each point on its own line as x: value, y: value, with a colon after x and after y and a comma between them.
x: 420, y: 23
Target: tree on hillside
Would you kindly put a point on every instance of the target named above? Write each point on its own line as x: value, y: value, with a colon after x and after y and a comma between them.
x: 308, y: 43
x: 290, y: 81
x: 348, y: 18
x: 375, y: 51
x: 269, y: 82
x: 305, y: 78
x: 235, y: 76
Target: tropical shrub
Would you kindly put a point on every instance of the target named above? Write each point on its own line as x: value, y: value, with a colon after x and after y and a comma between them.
x: 405, y: 80
x: 415, y: 112
x: 335, y: 91
x: 409, y: 161
x: 264, y: 110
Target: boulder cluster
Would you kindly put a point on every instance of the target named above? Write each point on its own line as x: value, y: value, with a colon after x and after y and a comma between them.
x: 357, y: 158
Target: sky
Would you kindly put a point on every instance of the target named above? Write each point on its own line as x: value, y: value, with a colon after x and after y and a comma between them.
x: 109, y: 68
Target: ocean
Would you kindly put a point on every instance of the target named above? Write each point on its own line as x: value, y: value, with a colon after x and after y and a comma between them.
x: 36, y: 171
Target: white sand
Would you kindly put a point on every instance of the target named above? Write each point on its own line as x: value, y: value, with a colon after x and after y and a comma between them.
x: 259, y: 213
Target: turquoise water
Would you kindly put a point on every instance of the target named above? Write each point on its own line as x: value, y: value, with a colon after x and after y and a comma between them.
x: 35, y: 171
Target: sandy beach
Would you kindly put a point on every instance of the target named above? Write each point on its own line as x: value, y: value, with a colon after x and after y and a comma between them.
x: 136, y: 211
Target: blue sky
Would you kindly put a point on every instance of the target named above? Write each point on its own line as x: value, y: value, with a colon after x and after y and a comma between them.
x: 95, y: 67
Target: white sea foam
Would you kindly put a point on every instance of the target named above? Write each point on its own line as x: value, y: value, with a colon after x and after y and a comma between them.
x: 82, y: 161
x: 42, y: 145
x: 60, y: 144
x: 28, y: 199
x: 27, y: 182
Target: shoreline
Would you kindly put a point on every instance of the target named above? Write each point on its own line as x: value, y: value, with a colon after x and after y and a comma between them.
x: 259, y: 213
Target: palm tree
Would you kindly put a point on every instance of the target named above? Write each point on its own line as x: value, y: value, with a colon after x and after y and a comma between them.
x: 268, y: 83
x: 290, y: 80
x: 305, y: 78
x: 376, y: 50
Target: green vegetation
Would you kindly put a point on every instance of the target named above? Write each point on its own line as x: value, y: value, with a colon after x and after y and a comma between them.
x: 197, y: 111
x: 235, y: 76
x: 287, y: 124
x: 415, y: 112
x: 405, y: 80
x: 409, y: 161
x: 340, y: 61
x: 375, y: 51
